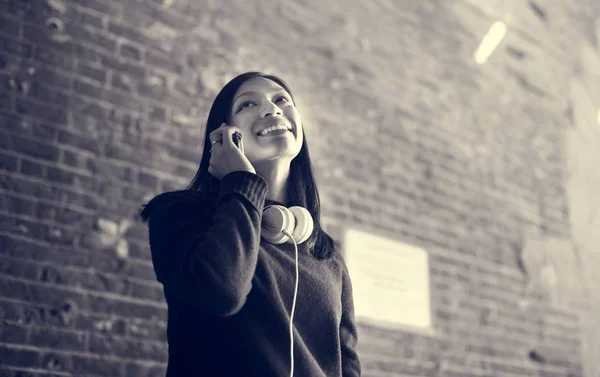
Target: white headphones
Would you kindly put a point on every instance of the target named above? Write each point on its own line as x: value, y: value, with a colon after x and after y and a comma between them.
x: 278, y: 220
x: 292, y: 225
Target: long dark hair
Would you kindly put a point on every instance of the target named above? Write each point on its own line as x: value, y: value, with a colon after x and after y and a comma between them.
x: 302, y: 189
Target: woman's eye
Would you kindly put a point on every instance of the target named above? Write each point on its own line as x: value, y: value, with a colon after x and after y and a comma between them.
x: 243, y: 105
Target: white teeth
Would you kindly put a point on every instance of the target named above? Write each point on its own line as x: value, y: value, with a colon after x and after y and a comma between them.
x: 272, y: 128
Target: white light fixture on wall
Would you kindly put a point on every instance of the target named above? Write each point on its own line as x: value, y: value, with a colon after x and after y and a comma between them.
x: 489, y: 43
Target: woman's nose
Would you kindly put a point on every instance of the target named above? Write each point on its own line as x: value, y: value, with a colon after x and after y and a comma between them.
x: 272, y: 110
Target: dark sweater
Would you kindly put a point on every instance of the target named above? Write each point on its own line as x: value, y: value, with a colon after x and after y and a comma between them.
x: 229, y: 292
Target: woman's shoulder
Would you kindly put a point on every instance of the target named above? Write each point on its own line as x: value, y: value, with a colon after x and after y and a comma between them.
x: 339, y: 260
x: 175, y: 201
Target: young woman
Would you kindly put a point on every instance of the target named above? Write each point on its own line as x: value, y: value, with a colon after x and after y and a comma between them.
x: 254, y: 285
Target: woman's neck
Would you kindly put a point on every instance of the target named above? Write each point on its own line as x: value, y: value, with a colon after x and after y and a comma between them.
x: 277, y: 178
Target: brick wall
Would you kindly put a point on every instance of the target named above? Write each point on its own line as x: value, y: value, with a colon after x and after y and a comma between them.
x: 102, y: 105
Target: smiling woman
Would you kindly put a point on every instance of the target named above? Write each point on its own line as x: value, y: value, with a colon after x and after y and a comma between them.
x: 261, y: 103
x: 231, y: 249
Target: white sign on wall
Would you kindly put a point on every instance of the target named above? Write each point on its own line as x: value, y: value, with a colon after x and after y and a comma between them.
x: 390, y: 281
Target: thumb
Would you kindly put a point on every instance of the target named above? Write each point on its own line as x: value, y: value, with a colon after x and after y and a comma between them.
x: 242, y: 146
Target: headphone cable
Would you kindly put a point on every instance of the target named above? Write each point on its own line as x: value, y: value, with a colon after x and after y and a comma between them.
x: 293, y: 308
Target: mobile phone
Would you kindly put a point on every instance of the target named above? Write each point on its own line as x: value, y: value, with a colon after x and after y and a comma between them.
x: 236, y: 138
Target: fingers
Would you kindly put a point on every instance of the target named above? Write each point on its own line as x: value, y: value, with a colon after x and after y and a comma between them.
x: 223, y: 135
x: 228, y: 137
x: 216, y: 135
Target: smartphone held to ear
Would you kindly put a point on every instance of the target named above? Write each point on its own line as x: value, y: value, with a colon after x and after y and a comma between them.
x: 237, y: 137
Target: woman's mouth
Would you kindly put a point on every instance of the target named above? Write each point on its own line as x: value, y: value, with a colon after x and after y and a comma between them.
x: 274, y: 130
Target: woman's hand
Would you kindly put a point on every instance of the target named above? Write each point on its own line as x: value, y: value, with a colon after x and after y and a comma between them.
x: 225, y: 156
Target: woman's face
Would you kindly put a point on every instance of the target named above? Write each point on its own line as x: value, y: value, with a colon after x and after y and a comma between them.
x: 260, y: 103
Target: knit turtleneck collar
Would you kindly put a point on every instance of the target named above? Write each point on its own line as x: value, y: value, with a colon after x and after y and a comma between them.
x: 271, y: 202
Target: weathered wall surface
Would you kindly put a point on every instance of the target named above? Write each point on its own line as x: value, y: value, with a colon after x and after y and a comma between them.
x: 491, y: 168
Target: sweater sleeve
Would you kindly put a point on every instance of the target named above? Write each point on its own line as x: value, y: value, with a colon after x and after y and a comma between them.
x: 351, y: 366
x: 209, y: 263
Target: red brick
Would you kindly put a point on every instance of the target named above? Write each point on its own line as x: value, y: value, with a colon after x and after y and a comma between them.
x: 13, y: 333
x: 55, y: 59
x: 94, y: 365
x: 94, y: 38
x: 9, y: 26
x: 18, y: 357
x: 79, y: 141
x: 32, y: 147
x: 58, y: 339
x: 137, y: 349
x: 130, y: 51
x: 16, y: 47
x: 28, y: 107
x: 143, y: 370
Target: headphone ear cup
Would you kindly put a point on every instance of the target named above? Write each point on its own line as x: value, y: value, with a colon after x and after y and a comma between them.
x: 276, y: 219
x: 304, y: 224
